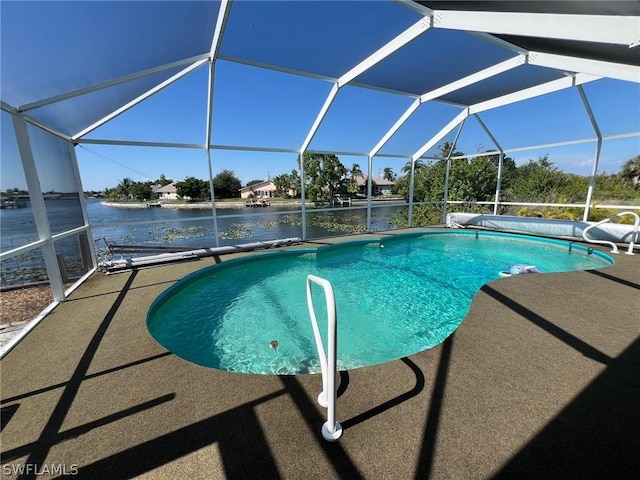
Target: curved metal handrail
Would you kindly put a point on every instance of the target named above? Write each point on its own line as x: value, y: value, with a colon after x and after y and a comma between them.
x: 331, y: 430
x: 607, y: 242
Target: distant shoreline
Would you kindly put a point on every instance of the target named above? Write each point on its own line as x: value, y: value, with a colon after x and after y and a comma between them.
x: 199, y: 205
x: 188, y: 206
x: 238, y: 204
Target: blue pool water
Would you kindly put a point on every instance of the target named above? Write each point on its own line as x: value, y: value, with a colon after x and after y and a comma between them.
x: 395, y: 297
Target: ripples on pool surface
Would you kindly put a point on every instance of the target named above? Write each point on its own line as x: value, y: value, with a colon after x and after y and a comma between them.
x: 395, y: 297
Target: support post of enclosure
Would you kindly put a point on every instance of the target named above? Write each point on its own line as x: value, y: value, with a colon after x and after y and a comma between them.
x: 445, y: 204
x: 596, y: 160
x: 592, y: 181
x: 207, y: 144
x: 369, y: 188
x: 303, y: 194
x: 412, y: 179
x: 221, y: 23
x: 445, y: 196
x: 213, y: 199
x: 87, y: 244
x: 37, y: 204
x: 496, y: 203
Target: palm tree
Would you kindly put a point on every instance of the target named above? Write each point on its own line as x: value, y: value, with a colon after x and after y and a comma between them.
x: 630, y: 171
x: 163, y: 180
x: 124, y: 186
x: 407, y: 166
x: 352, y: 182
x: 355, y: 171
x: 388, y: 174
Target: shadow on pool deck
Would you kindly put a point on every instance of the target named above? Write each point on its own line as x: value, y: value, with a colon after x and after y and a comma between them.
x: 539, y: 381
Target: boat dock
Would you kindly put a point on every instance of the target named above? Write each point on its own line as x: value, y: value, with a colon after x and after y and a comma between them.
x: 257, y: 203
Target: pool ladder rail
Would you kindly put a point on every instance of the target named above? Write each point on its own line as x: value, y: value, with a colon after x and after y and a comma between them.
x: 614, y: 247
x: 331, y: 430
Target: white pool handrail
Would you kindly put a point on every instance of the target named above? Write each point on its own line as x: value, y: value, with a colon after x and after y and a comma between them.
x: 331, y: 430
x: 614, y: 247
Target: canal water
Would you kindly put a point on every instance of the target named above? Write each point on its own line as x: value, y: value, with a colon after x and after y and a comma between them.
x: 182, y: 227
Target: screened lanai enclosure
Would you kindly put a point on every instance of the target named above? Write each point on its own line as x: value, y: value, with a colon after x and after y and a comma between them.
x: 505, y: 108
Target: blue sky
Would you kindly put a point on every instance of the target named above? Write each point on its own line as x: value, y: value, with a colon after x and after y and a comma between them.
x: 263, y: 108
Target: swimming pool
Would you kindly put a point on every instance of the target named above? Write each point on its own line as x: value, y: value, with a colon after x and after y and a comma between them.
x: 396, y: 296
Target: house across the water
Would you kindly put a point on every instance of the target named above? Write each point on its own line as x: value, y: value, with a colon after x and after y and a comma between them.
x: 379, y: 186
x: 266, y: 189
x: 168, y: 192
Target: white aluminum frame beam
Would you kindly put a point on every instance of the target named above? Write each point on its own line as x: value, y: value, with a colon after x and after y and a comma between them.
x: 412, y: 182
x: 489, y: 72
x: 253, y: 149
x: 376, y: 57
x: 469, y: 156
x: 398, y: 42
x: 620, y: 71
x: 565, y: 143
x: 496, y: 202
x: 396, y: 126
x: 215, y: 146
x: 377, y: 88
x: 14, y: 252
x: 208, y: 142
x: 488, y: 132
x: 216, y: 41
x: 369, y: 190
x: 421, y: 9
x: 275, y: 68
x: 314, y: 128
x: 434, y: 140
x: 441, y: 134
x: 221, y: 23
x: 13, y: 110
x: 532, y: 92
x: 111, y: 83
x: 337, y: 152
x: 321, y: 114
x: 213, y: 199
x: 49, y: 129
x: 383, y: 52
x: 135, y: 143
x: 611, y: 29
x: 446, y: 89
x: 7, y: 108
x: 140, y: 98
x: 620, y: 136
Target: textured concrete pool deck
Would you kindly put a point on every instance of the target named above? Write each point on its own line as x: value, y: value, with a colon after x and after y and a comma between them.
x: 541, y: 380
